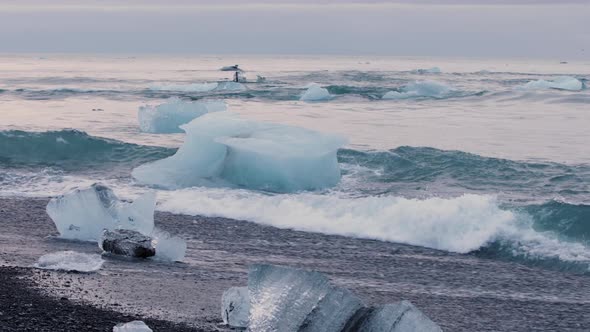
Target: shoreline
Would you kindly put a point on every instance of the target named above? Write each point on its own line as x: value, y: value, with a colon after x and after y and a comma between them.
x: 458, y: 292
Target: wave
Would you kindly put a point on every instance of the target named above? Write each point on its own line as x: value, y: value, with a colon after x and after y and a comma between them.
x: 418, y: 169
x: 71, y: 150
x: 475, y: 224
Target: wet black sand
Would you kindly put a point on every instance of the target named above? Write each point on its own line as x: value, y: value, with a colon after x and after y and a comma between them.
x: 459, y: 292
x: 24, y: 308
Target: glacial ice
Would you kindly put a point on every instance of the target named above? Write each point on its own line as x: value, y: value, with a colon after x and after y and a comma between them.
x: 83, y: 214
x: 429, y: 89
x: 168, y: 247
x: 394, y: 317
x: 332, y: 312
x: 166, y: 118
x: 433, y: 70
x: 134, y: 326
x: 282, y: 298
x: 559, y: 83
x: 70, y: 261
x: 126, y: 242
x: 235, y: 307
x: 287, y: 299
x: 255, y: 155
x: 315, y: 92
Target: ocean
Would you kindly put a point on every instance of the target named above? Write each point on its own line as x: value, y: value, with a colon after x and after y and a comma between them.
x: 484, y: 159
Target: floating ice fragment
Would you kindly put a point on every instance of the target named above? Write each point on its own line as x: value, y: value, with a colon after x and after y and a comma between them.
x: 255, y: 155
x: 395, y: 317
x: 315, y: 92
x: 559, y: 83
x: 428, y: 89
x: 83, y: 214
x: 235, y: 307
x: 127, y: 243
x: 166, y: 118
x: 433, y: 70
x: 134, y: 326
x: 70, y: 261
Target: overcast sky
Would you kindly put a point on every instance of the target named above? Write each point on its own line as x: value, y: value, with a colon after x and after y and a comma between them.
x: 468, y: 28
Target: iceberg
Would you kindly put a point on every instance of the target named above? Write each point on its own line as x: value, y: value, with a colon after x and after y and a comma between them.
x: 395, y: 317
x: 332, y: 312
x: 127, y: 243
x: 315, y: 92
x: 70, y: 261
x: 83, y: 214
x: 235, y: 307
x: 166, y: 118
x: 134, y: 326
x: 559, y: 83
x: 421, y: 89
x: 250, y: 154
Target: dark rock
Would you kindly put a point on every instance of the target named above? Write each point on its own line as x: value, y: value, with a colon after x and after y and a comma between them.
x: 127, y: 243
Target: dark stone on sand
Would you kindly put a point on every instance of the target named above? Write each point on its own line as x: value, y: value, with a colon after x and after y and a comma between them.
x: 127, y: 243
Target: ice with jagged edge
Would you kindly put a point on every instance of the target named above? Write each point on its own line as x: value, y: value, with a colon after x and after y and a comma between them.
x: 287, y: 299
x: 235, y: 307
x: 315, y: 92
x: 250, y: 154
x: 226, y: 86
x: 134, y: 326
x: 167, y: 117
x: 420, y: 89
x: 401, y: 316
x: 168, y: 247
x: 83, y: 213
x: 70, y: 261
x: 558, y: 83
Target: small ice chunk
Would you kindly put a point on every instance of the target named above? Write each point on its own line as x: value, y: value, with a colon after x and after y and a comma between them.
x: 168, y: 247
x: 70, y: 261
x: 559, y: 83
x: 421, y: 89
x: 246, y: 153
x: 282, y: 298
x: 395, y: 317
x: 433, y: 70
x: 166, y: 118
x: 134, y: 326
x: 235, y: 307
x: 332, y: 312
x: 315, y: 92
x: 83, y: 214
x: 126, y: 242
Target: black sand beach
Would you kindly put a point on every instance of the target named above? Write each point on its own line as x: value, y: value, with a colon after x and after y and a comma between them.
x: 454, y: 290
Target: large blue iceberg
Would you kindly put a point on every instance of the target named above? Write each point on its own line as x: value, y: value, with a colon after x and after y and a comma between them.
x: 166, y: 118
x: 225, y: 148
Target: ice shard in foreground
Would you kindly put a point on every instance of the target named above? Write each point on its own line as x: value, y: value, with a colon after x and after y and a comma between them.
x: 83, y: 214
x: 126, y: 242
x: 235, y: 307
x: 293, y: 300
x: 394, y: 317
